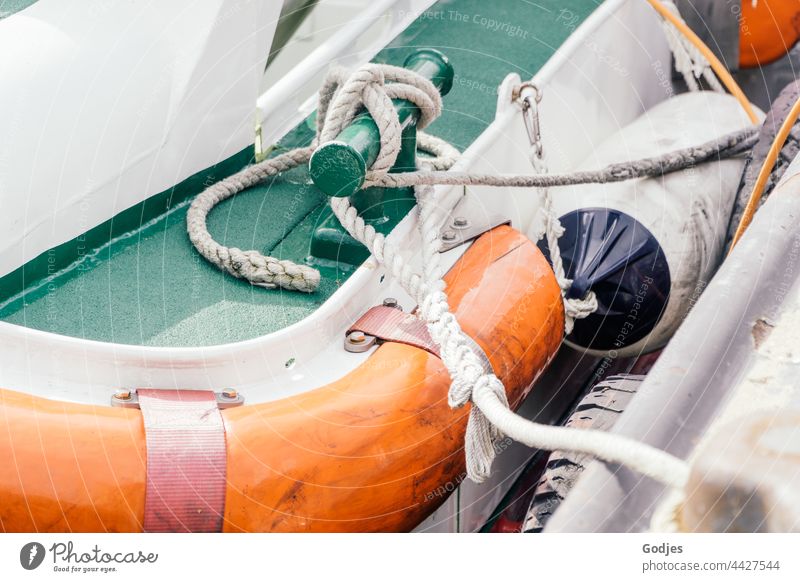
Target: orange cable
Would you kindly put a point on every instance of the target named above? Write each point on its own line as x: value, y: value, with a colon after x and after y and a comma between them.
x: 766, y: 168
x: 718, y: 68
x: 729, y: 82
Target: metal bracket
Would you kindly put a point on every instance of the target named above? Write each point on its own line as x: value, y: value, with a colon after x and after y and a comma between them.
x: 125, y: 398
x: 468, y: 221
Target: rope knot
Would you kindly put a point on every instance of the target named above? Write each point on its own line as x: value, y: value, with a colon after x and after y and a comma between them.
x: 578, y: 308
x: 373, y: 87
x: 341, y: 98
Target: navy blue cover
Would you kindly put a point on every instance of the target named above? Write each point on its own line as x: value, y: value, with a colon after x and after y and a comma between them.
x: 612, y: 254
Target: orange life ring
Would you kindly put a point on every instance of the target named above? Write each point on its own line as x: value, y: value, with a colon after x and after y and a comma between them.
x: 767, y: 31
x: 361, y: 454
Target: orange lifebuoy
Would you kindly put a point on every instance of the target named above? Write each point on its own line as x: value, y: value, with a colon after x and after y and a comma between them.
x: 767, y: 30
x: 361, y: 454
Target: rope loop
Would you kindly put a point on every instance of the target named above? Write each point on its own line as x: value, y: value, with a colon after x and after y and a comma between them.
x: 373, y: 87
x: 341, y: 97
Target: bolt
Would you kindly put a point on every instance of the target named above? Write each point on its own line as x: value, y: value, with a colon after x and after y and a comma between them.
x: 390, y: 302
x: 230, y: 394
x: 357, y: 337
x: 460, y: 222
x: 122, y: 394
x: 448, y: 236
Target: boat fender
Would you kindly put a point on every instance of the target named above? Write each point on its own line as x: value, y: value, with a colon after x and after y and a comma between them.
x: 768, y: 29
x: 648, y: 247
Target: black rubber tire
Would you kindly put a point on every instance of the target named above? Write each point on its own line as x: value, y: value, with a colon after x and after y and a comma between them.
x: 755, y: 159
x: 598, y: 410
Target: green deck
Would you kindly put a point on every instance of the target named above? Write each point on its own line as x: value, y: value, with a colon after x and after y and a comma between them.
x: 136, y: 278
x: 9, y: 7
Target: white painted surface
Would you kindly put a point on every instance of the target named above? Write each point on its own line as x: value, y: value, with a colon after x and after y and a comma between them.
x: 105, y: 103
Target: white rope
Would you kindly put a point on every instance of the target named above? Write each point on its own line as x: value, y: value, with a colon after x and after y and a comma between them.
x: 340, y: 100
x: 607, y: 446
x: 575, y: 307
x: 689, y: 61
x: 374, y: 86
x: 490, y: 416
x: 338, y: 106
x: 258, y: 269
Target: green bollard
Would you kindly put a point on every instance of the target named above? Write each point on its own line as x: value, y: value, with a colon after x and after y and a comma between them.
x: 339, y: 167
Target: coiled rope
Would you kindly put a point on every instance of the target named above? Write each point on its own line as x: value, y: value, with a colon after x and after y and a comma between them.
x: 252, y: 266
x: 490, y: 417
x: 270, y: 272
x: 373, y: 87
x: 340, y: 100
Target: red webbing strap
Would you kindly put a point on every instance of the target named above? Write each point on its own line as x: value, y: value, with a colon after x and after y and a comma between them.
x: 186, y: 461
x: 393, y: 325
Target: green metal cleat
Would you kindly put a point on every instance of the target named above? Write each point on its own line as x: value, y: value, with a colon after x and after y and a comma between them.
x: 339, y: 167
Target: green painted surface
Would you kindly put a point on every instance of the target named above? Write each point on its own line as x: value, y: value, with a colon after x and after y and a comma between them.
x: 136, y: 279
x: 9, y: 7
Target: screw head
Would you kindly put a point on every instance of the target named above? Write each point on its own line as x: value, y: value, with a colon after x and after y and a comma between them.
x: 460, y: 222
x: 448, y: 236
x: 230, y: 394
x: 122, y: 394
x: 390, y: 302
x: 357, y: 337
